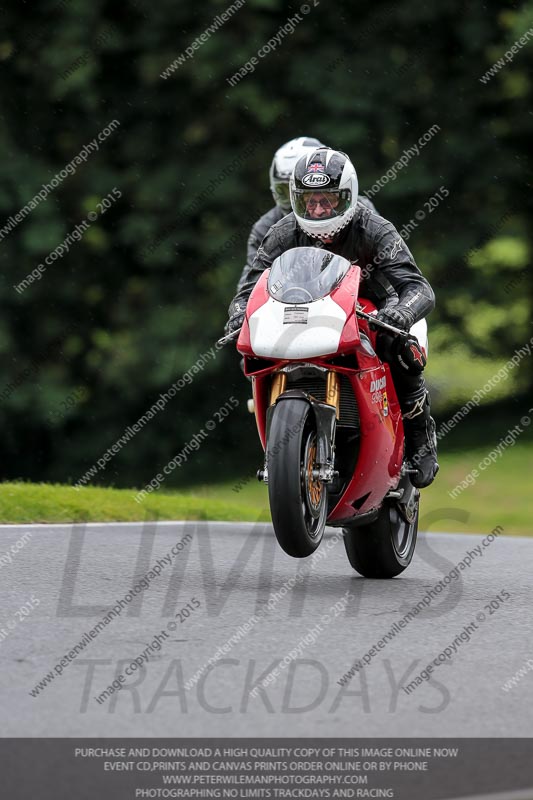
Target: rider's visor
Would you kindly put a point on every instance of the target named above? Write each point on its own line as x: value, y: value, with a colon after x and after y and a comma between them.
x: 281, y: 195
x: 320, y: 205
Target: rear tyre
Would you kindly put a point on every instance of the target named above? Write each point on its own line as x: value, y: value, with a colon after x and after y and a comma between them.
x: 298, y: 500
x: 385, y: 547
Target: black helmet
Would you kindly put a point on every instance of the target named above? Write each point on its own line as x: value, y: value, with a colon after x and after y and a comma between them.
x: 325, y: 178
x: 282, y: 165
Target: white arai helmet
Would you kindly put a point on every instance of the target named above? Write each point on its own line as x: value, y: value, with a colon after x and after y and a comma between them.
x: 323, y: 192
x: 282, y: 166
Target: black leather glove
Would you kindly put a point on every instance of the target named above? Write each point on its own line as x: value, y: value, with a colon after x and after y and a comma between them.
x: 399, y: 316
x: 235, y: 320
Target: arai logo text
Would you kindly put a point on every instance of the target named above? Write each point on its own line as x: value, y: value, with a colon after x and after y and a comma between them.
x: 315, y: 179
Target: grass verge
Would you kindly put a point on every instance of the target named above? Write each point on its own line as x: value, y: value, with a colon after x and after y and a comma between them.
x: 500, y: 496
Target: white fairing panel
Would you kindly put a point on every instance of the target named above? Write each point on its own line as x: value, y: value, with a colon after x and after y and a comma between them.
x: 320, y: 335
x: 420, y: 330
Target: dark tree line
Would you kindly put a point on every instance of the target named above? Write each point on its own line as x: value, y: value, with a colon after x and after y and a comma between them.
x: 131, y: 306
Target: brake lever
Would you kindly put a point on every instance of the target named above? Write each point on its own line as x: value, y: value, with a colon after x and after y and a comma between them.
x: 229, y: 337
x: 380, y: 324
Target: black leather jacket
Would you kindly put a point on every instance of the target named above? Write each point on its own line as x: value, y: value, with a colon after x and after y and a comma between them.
x: 257, y: 234
x: 390, y: 273
x: 260, y: 230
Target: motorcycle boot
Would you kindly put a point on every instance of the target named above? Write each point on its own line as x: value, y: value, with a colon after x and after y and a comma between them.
x: 420, y: 438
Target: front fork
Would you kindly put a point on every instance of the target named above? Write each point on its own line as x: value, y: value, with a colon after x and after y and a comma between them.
x: 326, y: 414
x: 279, y: 382
x: 333, y: 392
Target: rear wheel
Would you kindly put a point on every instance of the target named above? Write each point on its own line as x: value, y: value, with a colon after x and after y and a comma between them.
x: 385, y: 547
x: 298, y: 499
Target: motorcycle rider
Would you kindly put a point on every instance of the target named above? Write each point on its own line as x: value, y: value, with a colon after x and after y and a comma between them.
x: 280, y: 171
x: 323, y: 194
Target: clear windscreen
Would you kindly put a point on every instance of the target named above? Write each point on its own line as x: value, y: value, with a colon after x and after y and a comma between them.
x: 304, y: 274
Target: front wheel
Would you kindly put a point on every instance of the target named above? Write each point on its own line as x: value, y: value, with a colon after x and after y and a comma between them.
x: 298, y: 499
x: 385, y: 547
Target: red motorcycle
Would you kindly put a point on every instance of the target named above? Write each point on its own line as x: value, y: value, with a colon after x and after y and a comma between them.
x: 327, y: 413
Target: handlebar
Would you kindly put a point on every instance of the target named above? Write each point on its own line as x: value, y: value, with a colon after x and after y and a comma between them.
x: 385, y: 325
x: 370, y: 318
x: 229, y: 337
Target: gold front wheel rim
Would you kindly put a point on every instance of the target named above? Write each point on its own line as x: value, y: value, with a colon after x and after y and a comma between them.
x: 314, y: 486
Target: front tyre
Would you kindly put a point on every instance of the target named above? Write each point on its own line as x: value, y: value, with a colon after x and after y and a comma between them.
x: 298, y: 500
x: 385, y: 547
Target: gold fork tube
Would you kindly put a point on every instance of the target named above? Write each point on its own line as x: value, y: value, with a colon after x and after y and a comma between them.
x: 279, y: 382
x: 333, y: 393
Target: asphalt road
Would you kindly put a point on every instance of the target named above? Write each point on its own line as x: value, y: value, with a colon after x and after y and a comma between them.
x: 226, y: 573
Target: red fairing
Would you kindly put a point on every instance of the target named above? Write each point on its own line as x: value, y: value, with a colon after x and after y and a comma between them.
x: 259, y: 294
x: 243, y: 342
x: 258, y: 298
x: 260, y: 388
x: 368, y: 307
x: 346, y: 296
x: 381, y: 448
x: 381, y: 439
x: 260, y: 384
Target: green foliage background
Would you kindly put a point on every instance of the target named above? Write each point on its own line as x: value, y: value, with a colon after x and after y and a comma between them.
x: 118, y: 319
